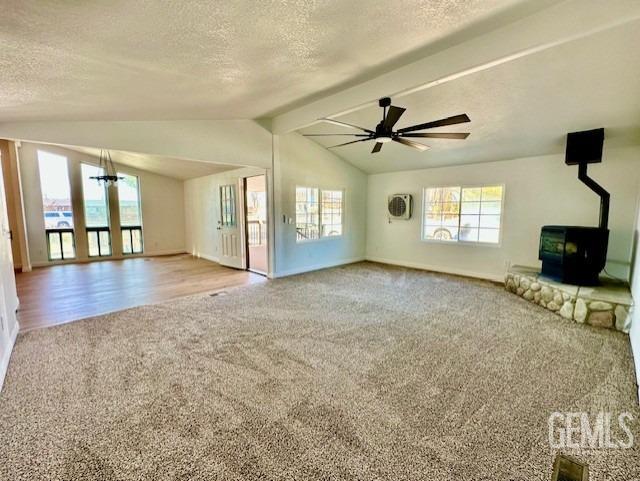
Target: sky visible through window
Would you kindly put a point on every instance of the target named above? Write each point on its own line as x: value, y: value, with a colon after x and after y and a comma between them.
x: 56, y: 193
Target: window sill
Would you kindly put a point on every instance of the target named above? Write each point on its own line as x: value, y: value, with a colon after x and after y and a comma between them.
x: 462, y: 243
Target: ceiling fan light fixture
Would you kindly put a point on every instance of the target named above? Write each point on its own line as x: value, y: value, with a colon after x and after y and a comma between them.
x: 384, y: 139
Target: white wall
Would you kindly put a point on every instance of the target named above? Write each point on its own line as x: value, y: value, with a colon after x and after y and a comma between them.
x: 538, y: 191
x: 301, y: 162
x: 297, y: 162
x: 162, y: 205
x: 202, y: 211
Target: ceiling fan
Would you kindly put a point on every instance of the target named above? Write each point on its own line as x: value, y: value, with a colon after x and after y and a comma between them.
x: 384, y: 132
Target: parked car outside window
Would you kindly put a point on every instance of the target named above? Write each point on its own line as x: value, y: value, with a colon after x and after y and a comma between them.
x: 58, y: 220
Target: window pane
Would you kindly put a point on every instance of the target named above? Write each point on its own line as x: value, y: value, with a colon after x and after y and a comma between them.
x: 433, y: 196
x: 136, y: 245
x: 442, y: 213
x: 469, y: 221
x: 468, y: 234
x: 450, y: 220
x: 492, y: 207
x: 450, y: 208
x: 489, y: 235
x: 68, y: 249
x: 492, y: 193
x: 105, y: 243
x: 129, y: 198
x: 126, y: 241
x: 307, y: 214
x: 331, y: 212
x: 471, y: 194
x: 55, y: 248
x: 441, y: 233
x: 92, y: 238
x: 56, y: 193
x: 96, y: 207
x: 451, y: 194
x: 490, y: 221
x: 227, y: 205
x: 470, y: 208
x: 433, y: 219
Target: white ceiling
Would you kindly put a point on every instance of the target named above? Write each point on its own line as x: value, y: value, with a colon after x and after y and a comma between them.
x: 167, y: 166
x: 520, y: 108
x: 150, y: 60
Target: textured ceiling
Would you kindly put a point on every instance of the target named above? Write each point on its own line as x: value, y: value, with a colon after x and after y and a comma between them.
x: 167, y: 166
x: 517, y: 109
x: 144, y: 59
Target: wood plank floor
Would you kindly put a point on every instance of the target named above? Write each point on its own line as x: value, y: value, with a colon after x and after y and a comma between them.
x: 59, y: 294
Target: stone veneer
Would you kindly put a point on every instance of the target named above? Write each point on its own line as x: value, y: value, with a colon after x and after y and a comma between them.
x: 607, y: 305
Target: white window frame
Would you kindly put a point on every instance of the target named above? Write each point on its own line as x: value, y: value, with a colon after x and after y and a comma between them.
x: 321, y: 237
x: 121, y: 227
x: 461, y: 242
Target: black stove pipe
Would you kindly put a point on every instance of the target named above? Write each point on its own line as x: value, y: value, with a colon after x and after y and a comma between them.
x: 598, y: 189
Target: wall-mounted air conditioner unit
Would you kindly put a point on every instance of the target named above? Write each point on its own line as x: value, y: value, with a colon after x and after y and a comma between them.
x: 399, y: 206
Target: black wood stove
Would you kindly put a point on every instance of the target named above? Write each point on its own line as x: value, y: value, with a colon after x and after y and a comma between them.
x: 574, y: 254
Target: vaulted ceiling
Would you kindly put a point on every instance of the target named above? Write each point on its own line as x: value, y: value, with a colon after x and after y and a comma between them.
x: 149, y: 60
x: 520, y: 108
x: 525, y: 71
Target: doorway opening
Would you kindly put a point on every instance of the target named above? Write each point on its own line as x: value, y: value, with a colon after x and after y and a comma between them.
x: 255, y: 212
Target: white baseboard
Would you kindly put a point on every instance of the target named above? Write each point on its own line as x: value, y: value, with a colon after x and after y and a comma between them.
x: 207, y: 257
x: 444, y: 270
x: 4, y: 362
x: 317, y: 267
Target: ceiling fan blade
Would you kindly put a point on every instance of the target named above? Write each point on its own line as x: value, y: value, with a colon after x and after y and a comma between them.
x: 456, y: 119
x: 347, y: 143
x: 377, y: 147
x: 440, y: 135
x: 344, y: 124
x: 411, y: 143
x: 393, y: 115
x: 328, y: 135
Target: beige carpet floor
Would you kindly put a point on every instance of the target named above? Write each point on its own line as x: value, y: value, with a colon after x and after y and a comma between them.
x: 363, y: 372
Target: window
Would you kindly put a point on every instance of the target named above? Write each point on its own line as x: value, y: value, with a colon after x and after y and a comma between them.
x: 227, y: 205
x: 318, y: 213
x: 96, y: 212
x: 130, y: 215
x: 331, y: 213
x: 56, y: 206
x: 463, y: 214
x: 307, y: 214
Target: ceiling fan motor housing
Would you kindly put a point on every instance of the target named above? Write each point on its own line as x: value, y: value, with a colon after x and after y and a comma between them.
x: 384, y: 102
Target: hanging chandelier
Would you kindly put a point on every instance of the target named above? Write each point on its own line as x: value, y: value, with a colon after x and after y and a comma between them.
x: 109, y: 176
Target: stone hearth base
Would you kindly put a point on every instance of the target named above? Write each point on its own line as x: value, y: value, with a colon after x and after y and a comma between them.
x: 608, y: 305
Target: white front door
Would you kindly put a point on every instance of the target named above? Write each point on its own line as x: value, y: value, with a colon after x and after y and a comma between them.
x: 229, y: 226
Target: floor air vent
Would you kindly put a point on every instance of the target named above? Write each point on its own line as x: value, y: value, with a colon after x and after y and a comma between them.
x: 568, y: 469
